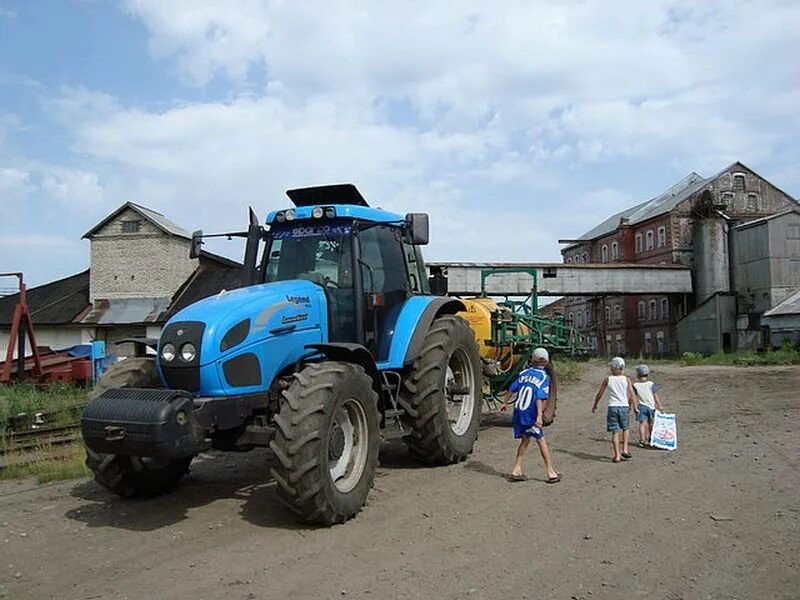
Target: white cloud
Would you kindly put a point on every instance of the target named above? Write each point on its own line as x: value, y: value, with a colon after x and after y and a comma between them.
x: 73, y: 187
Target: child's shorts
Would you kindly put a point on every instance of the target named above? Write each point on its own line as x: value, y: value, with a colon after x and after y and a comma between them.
x: 617, y: 418
x: 528, y: 431
x: 645, y: 413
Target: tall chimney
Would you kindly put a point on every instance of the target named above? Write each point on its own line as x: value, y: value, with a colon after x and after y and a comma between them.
x: 626, y: 242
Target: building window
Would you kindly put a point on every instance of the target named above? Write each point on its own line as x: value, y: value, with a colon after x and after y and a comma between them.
x: 585, y: 257
x: 738, y: 182
x: 131, y: 226
x: 638, y: 243
x: 620, y: 344
x: 664, y: 309
x: 580, y: 319
x: 604, y: 253
x: 569, y: 260
x: 649, y: 244
x: 662, y: 237
x: 640, y: 310
x: 586, y: 318
x: 608, y: 314
x: 727, y: 199
x: 618, y: 313
x: 608, y: 344
x: 653, y: 315
x: 614, y: 251
x: 648, y: 343
x: 752, y: 203
x: 660, y: 342
x: 571, y: 317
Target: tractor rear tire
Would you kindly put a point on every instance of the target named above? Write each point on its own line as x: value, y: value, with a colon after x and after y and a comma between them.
x: 326, y: 445
x: 442, y: 395
x: 129, y: 476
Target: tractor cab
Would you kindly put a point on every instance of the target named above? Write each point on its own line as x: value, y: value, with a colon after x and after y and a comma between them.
x: 367, y: 261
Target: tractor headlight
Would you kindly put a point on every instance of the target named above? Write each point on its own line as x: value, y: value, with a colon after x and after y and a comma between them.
x: 167, y: 352
x: 188, y: 352
x: 318, y: 212
x: 290, y: 214
x: 280, y: 217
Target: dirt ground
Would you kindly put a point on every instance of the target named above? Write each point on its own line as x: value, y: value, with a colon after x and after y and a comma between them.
x: 719, y: 518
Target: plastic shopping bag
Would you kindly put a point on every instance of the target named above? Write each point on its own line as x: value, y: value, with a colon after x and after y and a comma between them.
x: 665, y: 433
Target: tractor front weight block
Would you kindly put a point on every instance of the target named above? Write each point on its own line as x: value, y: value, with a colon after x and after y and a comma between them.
x: 155, y: 423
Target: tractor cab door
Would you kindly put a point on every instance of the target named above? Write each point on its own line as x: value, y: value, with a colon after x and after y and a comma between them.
x: 385, y: 284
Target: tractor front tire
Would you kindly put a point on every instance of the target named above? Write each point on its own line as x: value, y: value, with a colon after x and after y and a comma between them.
x: 442, y: 395
x: 129, y: 476
x: 326, y: 445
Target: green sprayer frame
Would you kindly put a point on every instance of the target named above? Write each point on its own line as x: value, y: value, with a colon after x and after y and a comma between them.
x: 553, y: 333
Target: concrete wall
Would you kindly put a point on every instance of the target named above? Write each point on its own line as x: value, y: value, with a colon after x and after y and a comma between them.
x: 54, y: 337
x: 465, y: 279
x: 704, y: 329
x: 149, y: 263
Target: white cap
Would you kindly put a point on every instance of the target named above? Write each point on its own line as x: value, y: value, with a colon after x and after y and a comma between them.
x: 541, y: 354
x: 643, y: 370
x: 617, y: 363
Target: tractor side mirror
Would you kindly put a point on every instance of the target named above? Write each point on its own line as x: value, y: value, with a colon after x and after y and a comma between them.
x: 417, y: 223
x: 197, y: 244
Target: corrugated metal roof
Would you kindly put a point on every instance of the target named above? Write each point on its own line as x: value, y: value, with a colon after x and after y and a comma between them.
x: 654, y: 207
x: 127, y: 310
x: 156, y: 218
x: 790, y: 306
x: 161, y: 221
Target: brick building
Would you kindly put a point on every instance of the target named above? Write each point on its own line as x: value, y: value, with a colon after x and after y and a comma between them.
x: 661, y: 230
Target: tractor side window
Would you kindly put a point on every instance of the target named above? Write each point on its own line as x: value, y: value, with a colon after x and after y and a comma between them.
x: 382, y: 251
x: 414, y: 282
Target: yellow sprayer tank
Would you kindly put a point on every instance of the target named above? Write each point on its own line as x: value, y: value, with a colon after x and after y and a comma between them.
x: 479, y: 316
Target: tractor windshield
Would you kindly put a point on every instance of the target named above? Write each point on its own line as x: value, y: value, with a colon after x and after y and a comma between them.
x: 318, y: 252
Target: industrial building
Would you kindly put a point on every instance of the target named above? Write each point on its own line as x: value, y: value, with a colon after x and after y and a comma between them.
x: 696, y: 223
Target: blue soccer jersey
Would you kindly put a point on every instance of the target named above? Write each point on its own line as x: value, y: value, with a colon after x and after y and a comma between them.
x: 530, y: 385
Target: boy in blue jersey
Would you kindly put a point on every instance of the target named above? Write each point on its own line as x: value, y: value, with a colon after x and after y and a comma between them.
x: 532, y: 387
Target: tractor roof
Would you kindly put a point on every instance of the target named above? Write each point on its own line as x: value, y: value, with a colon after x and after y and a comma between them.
x: 339, y: 193
x: 344, y: 198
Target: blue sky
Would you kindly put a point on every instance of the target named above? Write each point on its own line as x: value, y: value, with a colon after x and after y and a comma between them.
x: 513, y: 128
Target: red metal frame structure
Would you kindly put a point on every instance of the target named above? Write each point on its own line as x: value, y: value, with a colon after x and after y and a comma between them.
x: 20, y: 324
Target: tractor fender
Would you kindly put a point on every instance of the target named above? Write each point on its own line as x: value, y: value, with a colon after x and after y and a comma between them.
x: 412, y: 326
x: 351, y: 353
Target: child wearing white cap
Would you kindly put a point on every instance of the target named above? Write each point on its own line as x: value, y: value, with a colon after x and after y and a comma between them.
x: 620, y: 398
x: 532, y: 387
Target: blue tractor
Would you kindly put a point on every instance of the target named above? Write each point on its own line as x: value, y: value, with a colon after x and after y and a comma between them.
x: 333, y: 342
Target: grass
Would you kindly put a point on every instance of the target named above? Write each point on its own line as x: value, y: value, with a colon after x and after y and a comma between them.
x: 786, y: 355
x: 568, y: 369
x: 26, y: 398
x: 47, y: 464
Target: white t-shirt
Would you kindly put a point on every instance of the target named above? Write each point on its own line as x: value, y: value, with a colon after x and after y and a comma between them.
x: 644, y: 392
x: 617, y: 390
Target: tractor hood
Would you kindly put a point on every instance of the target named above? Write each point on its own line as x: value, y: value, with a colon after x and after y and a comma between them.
x: 230, y: 321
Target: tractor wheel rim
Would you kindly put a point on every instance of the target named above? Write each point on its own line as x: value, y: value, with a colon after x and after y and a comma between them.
x: 459, y: 388
x: 347, y: 469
